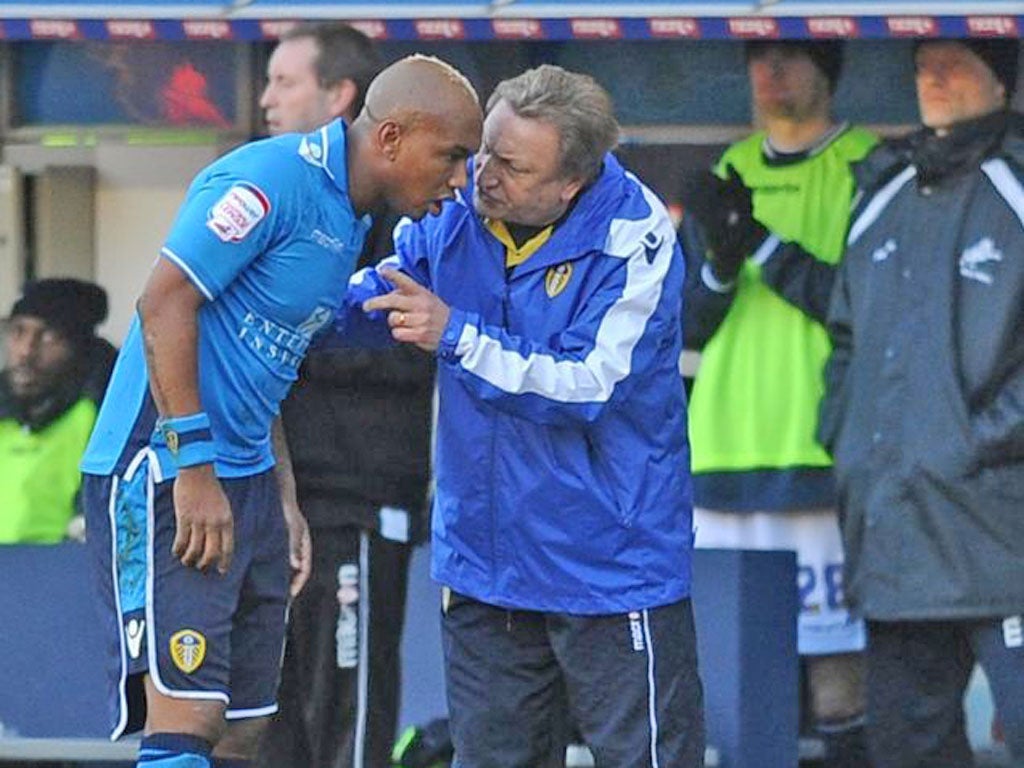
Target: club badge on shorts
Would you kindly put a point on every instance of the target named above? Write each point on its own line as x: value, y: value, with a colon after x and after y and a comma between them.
x: 188, y: 649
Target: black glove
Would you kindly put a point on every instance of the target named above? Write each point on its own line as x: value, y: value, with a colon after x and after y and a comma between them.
x: 725, y: 211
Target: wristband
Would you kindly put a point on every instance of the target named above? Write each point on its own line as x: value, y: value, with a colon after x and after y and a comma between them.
x: 189, y: 439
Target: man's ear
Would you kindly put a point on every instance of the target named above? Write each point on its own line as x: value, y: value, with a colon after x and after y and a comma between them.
x: 570, y: 189
x: 388, y: 136
x: 341, y: 97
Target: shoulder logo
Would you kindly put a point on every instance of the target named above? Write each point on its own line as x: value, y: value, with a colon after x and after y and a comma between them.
x: 975, y: 257
x: 652, y: 244
x: 557, y: 278
x: 188, y: 650
x: 236, y: 213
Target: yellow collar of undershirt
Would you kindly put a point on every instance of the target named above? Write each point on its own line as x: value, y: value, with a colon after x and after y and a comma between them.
x: 517, y: 254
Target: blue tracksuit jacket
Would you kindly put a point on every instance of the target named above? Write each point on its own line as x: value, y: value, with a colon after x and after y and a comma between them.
x: 562, y: 462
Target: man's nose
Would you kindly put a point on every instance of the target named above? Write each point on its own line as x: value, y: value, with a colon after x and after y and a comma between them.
x: 485, y: 177
x: 21, y: 349
x: 459, y: 177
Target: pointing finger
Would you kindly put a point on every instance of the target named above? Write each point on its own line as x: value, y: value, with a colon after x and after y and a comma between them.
x: 392, y: 300
x: 401, y: 281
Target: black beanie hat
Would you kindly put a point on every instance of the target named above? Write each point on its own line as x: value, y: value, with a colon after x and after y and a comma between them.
x: 1001, y: 57
x: 73, y: 307
x: 999, y: 54
x: 827, y: 55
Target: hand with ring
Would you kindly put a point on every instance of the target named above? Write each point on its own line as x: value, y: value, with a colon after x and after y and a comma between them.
x: 429, y: 314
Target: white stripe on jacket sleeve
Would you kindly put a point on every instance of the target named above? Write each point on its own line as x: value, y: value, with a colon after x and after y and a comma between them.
x: 594, y: 378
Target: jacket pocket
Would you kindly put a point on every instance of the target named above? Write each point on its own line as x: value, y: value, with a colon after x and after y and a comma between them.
x: 610, y: 487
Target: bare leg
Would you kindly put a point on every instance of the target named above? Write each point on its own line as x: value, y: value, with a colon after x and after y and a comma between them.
x: 241, y: 739
x: 196, y: 717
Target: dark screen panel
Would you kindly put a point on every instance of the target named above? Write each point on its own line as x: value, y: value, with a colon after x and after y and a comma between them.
x: 166, y: 85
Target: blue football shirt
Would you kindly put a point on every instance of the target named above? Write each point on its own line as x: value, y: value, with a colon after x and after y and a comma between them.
x: 269, y: 236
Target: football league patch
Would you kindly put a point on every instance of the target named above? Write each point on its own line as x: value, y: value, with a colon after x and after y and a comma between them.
x: 240, y: 209
x: 188, y: 649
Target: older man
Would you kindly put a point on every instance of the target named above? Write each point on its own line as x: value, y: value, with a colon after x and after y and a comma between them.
x: 550, y: 293
x: 924, y: 411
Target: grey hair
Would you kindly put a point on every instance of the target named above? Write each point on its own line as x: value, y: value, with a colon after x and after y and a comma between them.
x: 575, y: 104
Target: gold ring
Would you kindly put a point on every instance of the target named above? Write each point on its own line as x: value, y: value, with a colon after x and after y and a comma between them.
x: 400, y: 320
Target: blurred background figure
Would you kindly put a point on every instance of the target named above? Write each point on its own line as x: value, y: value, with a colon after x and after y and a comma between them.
x: 924, y: 411
x: 755, y: 306
x: 54, y: 377
x: 358, y: 431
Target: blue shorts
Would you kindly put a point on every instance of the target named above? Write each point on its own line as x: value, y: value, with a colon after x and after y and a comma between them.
x: 198, y: 635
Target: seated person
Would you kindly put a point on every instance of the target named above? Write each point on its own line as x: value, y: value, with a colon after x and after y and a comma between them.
x: 54, y: 375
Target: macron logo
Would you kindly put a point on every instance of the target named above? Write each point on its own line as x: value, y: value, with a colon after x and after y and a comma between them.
x: 133, y: 633
x: 636, y: 631
x: 652, y: 243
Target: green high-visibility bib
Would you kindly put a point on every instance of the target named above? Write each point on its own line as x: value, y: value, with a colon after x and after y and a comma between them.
x: 39, y: 476
x: 755, y: 398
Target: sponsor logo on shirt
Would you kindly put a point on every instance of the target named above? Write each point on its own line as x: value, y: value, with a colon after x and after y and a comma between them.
x: 240, y: 209
x: 275, y: 342
x: 188, y: 650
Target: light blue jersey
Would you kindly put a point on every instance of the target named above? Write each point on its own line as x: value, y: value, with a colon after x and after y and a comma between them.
x: 269, y: 236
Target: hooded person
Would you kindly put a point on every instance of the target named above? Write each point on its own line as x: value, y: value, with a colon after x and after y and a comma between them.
x: 54, y: 376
